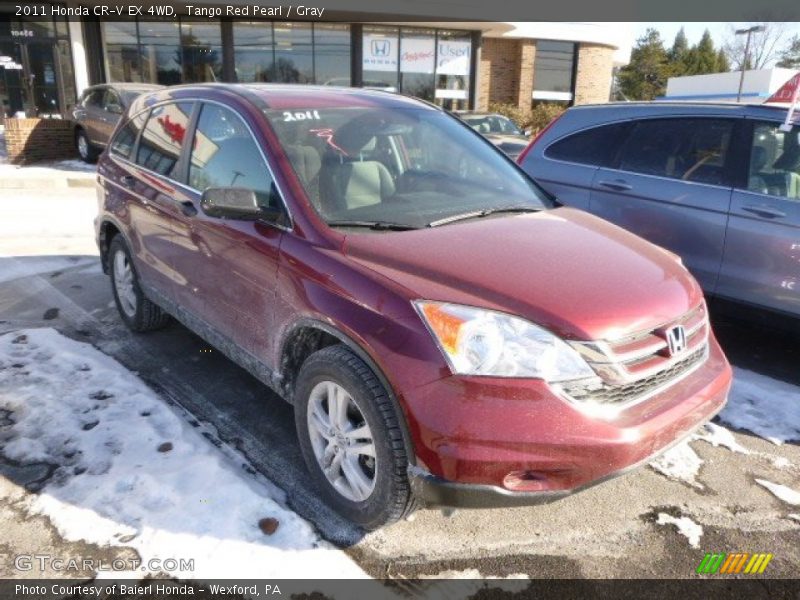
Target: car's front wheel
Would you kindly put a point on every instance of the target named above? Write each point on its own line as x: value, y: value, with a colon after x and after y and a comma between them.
x: 86, y: 151
x: 351, y: 438
x: 138, y: 313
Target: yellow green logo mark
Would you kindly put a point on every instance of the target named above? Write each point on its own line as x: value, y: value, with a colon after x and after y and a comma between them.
x: 737, y: 562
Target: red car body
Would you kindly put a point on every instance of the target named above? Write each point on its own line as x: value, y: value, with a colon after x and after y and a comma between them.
x: 265, y: 295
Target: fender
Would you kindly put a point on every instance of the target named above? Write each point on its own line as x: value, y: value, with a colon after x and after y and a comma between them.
x: 364, y: 355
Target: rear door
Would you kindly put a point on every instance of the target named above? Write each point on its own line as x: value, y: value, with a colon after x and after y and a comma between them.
x: 672, y: 185
x: 156, y: 195
x: 762, y: 251
x: 108, y: 117
x: 567, y: 166
x: 93, y: 107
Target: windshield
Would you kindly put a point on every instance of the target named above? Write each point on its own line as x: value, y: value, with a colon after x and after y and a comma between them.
x: 492, y: 124
x: 404, y: 168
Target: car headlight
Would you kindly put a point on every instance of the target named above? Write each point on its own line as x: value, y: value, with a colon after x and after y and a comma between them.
x: 476, y: 341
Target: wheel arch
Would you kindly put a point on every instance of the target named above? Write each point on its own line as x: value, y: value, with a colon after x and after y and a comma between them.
x: 308, y: 335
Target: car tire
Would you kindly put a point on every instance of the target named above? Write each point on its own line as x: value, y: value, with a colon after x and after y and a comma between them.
x: 137, y: 312
x: 86, y: 151
x: 370, y: 491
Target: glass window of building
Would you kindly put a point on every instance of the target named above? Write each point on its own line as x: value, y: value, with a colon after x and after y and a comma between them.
x: 161, y: 52
x: 201, y: 52
x: 294, y: 53
x: 381, y: 58
x: 121, y: 50
x: 418, y: 63
x: 553, y: 70
x: 332, y: 54
x: 453, y: 63
x: 254, y: 51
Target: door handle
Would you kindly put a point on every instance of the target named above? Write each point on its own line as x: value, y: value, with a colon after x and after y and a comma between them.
x: 765, y: 212
x: 618, y: 185
x: 128, y: 181
x: 188, y: 209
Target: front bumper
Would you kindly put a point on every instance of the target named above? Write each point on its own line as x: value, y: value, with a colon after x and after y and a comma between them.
x: 472, y: 433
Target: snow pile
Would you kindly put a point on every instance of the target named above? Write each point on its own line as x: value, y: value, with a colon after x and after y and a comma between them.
x: 680, y: 463
x: 130, y: 471
x: 781, y: 492
x: 719, y: 436
x: 765, y: 406
x: 686, y: 527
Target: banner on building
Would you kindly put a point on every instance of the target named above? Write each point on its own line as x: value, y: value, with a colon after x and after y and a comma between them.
x: 379, y: 53
x: 417, y: 55
x: 453, y: 57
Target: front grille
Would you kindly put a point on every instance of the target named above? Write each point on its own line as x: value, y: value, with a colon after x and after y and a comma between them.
x: 600, y: 392
x: 639, y: 366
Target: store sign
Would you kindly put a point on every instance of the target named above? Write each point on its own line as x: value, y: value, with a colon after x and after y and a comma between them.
x: 417, y: 55
x: 379, y: 53
x: 453, y: 58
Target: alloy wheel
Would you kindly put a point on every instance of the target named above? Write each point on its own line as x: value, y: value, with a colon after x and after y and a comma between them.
x: 342, y: 441
x: 123, y: 283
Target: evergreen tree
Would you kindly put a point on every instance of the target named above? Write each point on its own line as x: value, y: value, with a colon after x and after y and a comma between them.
x: 645, y: 76
x: 723, y: 64
x: 679, y: 54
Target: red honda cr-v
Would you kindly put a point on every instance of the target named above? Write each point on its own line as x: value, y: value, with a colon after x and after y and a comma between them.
x: 446, y: 333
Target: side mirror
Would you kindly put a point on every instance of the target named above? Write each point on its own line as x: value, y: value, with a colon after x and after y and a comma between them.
x: 240, y: 204
x: 231, y: 203
x: 114, y: 109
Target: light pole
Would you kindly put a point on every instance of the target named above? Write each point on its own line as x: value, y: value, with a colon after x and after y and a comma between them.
x: 749, y: 31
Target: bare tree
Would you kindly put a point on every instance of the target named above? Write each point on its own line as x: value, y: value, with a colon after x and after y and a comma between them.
x: 765, y: 47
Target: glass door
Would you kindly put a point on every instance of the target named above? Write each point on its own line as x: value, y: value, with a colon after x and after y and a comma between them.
x: 12, y: 93
x: 42, y: 78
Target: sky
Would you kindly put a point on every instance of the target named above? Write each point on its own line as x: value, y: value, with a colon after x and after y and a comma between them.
x: 694, y: 31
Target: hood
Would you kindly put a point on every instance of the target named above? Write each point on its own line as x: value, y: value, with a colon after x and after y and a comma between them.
x: 575, y: 274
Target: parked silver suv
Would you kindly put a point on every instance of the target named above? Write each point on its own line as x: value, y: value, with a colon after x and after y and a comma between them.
x: 718, y: 184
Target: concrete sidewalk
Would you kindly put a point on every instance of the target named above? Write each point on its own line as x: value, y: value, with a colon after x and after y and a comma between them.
x: 52, y: 175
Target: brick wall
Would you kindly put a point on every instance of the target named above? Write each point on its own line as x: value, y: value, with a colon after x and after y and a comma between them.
x: 527, y: 57
x: 499, y: 69
x: 32, y: 140
x: 593, y: 80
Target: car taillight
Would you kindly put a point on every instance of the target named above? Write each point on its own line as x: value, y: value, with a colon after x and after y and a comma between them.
x: 536, y: 138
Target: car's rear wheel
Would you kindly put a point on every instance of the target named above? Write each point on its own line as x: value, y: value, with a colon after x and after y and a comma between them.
x: 351, y: 438
x: 86, y: 151
x: 138, y: 313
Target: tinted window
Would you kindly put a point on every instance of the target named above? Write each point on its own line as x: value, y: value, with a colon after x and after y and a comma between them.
x: 162, y: 138
x: 112, y: 102
x: 775, y: 161
x: 224, y: 154
x: 687, y: 149
x: 597, y: 146
x: 125, y: 139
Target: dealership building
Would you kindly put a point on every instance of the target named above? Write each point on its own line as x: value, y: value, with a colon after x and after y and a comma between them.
x: 46, y: 63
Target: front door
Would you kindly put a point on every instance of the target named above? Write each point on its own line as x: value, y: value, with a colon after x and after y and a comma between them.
x: 672, y: 186
x: 229, y: 268
x: 41, y: 69
x: 762, y: 251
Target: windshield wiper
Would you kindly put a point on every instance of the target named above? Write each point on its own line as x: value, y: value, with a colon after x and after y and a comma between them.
x: 482, y: 213
x: 375, y: 225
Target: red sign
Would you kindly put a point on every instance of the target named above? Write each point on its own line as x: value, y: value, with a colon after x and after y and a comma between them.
x: 787, y: 92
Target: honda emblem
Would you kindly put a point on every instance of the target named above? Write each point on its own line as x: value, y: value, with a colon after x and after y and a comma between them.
x: 676, y: 340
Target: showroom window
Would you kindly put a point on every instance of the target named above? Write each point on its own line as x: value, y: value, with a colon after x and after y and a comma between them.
x: 430, y: 64
x: 160, y: 50
x: 292, y: 52
x: 554, y: 71
x: 201, y: 52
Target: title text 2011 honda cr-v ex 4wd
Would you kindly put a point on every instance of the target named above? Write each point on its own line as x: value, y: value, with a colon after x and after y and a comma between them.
x: 446, y: 333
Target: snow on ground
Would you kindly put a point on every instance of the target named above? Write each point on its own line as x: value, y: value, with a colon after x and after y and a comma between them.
x: 686, y: 527
x: 680, y: 463
x: 719, y: 436
x: 767, y: 407
x: 130, y: 470
x: 781, y: 492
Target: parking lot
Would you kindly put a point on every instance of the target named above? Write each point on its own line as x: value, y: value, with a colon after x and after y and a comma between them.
x: 638, y: 525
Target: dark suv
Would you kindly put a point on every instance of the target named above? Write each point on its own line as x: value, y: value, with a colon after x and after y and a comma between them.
x: 444, y: 332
